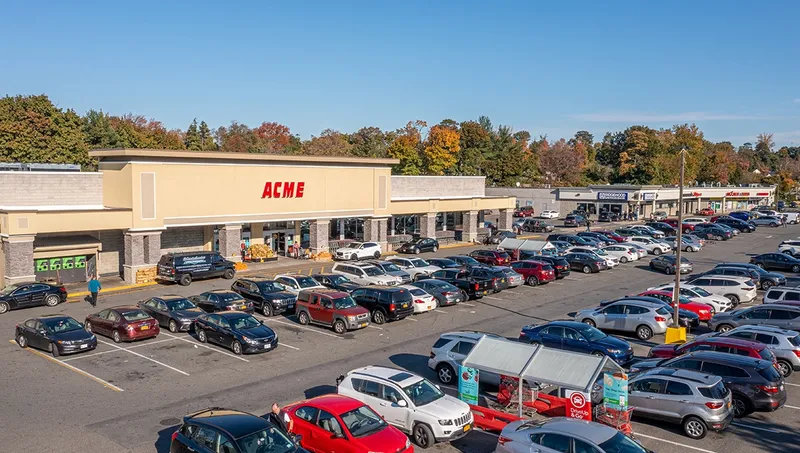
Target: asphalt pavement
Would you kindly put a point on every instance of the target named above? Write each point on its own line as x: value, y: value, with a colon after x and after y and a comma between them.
x: 131, y: 397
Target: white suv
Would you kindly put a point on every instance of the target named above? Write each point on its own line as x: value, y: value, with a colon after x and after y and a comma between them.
x: 415, y: 267
x: 791, y: 247
x: 777, y: 294
x: 295, y: 283
x: 737, y: 289
x: 410, y: 402
x: 358, y: 251
x: 365, y: 274
x: 653, y: 246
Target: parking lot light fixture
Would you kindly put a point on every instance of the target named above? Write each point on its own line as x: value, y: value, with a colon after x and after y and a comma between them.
x: 676, y: 333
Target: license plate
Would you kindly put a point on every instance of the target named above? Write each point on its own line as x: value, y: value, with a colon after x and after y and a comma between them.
x: 405, y: 305
x: 430, y: 307
x: 243, y: 307
x: 84, y: 346
x: 267, y: 346
x: 467, y: 427
x: 729, y: 404
x: 144, y: 328
x: 363, y: 324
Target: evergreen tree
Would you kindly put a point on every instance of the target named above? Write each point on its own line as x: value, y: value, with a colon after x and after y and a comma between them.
x: 207, y: 142
x: 192, y: 138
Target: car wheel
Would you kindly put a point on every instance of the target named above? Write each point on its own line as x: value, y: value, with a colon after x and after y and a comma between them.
x: 378, y: 317
x: 88, y: 326
x: 532, y: 281
x: 201, y: 335
x: 657, y: 251
x: 652, y: 266
x: 228, y: 274
x: 695, y: 428
x: 416, y: 250
x: 423, y: 436
x: 589, y: 322
x: 22, y: 341
x: 54, y: 350
x: 173, y: 326
x: 690, y: 249
x: 788, y: 252
x: 598, y: 354
x: 733, y: 298
x: 623, y: 260
x: 435, y: 248
x: 796, y: 268
x: 717, y: 238
x: 785, y: 368
x: 377, y: 255
x: 51, y: 300
x: 236, y: 347
x: 464, y: 296
x: 3, y: 307
x: 185, y: 280
x: 587, y: 270
x: 115, y: 336
x: 741, y: 407
x: 302, y: 318
x: 669, y: 270
x: 773, y: 224
x: 687, y: 231
x: 766, y: 285
x: 724, y: 328
x: 339, y: 327
x: 445, y: 373
x: 354, y: 257
x: 266, y: 309
x: 644, y: 332
x: 761, y: 265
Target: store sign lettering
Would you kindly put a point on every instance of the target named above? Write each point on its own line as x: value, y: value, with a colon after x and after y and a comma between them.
x: 57, y: 264
x: 762, y: 194
x: 614, y: 196
x: 737, y: 194
x: 648, y: 196
x: 283, y: 190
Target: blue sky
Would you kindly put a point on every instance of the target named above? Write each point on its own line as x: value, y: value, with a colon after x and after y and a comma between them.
x: 732, y: 67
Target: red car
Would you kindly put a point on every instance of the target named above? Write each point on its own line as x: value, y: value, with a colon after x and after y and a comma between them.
x: 728, y: 345
x: 122, y: 324
x: 491, y: 257
x: 703, y: 311
x: 534, y: 272
x: 612, y: 235
x: 686, y: 227
x: 705, y: 211
x: 343, y: 424
x: 524, y: 211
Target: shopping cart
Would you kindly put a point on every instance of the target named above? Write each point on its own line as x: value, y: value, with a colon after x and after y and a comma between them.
x: 508, y: 395
x: 615, y: 418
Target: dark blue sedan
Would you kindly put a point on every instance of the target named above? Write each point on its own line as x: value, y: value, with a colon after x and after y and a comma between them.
x: 238, y: 331
x: 578, y: 337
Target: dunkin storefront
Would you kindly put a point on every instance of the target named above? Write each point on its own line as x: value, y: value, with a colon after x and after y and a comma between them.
x: 66, y: 226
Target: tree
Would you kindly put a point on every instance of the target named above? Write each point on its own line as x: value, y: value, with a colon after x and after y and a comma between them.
x: 370, y: 142
x: 272, y: 138
x: 406, y: 147
x: 441, y: 149
x: 207, y: 142
x: 192, y: 137
x: 236, y: 138
x: 763, y: 154
x: 486, y: 124
x: 329, y: 143
x: 475, y: 146
x: 510, y: 163
x: 561, y: 163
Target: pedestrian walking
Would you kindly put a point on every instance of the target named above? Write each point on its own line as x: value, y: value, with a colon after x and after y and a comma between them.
x: 588, y: 225
x: 281, y: 419
x: 94, y: 289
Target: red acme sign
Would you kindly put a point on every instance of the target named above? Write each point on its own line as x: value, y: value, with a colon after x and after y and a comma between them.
x: 762, y: 194
x: 737, y: 194
x: 283, y: 190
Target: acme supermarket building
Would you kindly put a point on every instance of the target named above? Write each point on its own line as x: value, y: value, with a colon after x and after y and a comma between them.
x: 66, y: 226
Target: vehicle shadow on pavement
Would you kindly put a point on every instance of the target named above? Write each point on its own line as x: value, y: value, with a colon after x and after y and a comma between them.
x: 781, y: 439
x: 415, y: 363
x: 164, y: 440
x: 500, y: 307
x: 319, y: 390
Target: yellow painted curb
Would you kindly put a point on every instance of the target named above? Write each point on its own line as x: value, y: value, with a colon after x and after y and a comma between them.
x: 115, y: 289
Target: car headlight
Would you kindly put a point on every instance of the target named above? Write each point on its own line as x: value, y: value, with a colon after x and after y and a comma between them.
x: 351, y: 318
x: 408, y: 443
x: 92, y: 337
x: 249, y: 340
x: 634, y: 369
x: 446, y: 422
x: 65, y: 342
x: 615, y: 351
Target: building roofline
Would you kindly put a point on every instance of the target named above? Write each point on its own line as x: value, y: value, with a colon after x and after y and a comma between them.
x: 131, y: 154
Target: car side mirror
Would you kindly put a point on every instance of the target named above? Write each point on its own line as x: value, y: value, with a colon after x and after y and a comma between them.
x: 403, y: 403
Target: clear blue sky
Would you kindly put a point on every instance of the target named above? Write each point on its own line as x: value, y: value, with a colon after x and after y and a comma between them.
x: 732, y: 67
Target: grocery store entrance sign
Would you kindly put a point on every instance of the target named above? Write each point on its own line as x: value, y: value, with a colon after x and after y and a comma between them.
x: 612, y: 196
x: 283, y: 190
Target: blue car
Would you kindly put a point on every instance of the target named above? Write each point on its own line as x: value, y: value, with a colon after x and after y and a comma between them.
x: 741, y: 215
x: 577, y: 337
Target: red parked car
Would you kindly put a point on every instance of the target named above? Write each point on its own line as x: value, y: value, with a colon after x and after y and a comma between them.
x: 343, y: 424
x: 491, y: 257
x: 524, y: 211
x: 728, y: 345
x: 703, y: 311
x: 685, y: 227
x: 534, y: 272
x: 612, y: 235
x: 705, y: 211
x: 122, y: 324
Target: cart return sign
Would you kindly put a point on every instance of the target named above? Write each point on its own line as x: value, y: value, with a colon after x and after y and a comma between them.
x: 615, y: 391
x: 468, y: 385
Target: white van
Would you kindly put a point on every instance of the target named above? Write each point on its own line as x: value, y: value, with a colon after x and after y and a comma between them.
x: 791, y: 217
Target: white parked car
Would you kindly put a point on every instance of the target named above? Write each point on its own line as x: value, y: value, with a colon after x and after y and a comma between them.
x: 792, y: 218
x: 694, y: 220
x: 365, y: 274
x: 409, y: 402
x: 790, y: 247
x: 550, y: 214
x: 359, y: 251
x: 415, y: 267
x: 641, y: 251
x: 621, y: 252
x: 697, y: 294
x: 652, y: 245
x: 422, y: 300
x: 737, y: 289
x: 295, y: 283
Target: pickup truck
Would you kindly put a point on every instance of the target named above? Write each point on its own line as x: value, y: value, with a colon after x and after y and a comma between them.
x: 474, y: 287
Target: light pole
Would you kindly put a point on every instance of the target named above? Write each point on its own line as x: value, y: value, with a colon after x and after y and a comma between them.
x: 676, y: 333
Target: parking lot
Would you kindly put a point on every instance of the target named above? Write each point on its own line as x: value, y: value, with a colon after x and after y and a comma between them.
x: 130, y: 397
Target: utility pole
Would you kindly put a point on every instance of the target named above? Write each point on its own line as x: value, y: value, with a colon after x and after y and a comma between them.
x: 676, y: 292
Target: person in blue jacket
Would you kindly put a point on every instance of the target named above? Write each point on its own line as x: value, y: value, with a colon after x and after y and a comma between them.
x: 94, y: 289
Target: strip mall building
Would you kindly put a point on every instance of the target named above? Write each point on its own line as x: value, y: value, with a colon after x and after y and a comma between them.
x: 65, y: 226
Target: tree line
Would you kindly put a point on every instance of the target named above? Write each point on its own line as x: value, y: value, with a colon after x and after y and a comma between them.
x: 33, y: 129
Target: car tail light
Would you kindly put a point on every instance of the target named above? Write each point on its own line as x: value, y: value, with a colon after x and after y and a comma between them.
x: 419, y: 301
x: 748, y: 288
x: 175, y: 435
x: 129, y: 327
x: 797, y: 353
x: 661, y: 319
x: 477, y: 286
x: 714, y: 404
x: 391, y: 307
x: 432, y: 354
x: 62, y: 289
x: 172, y: 271
x: 502, y: 440
x: 231, y: 307
x: 494, y: 280
x: 769, y: 388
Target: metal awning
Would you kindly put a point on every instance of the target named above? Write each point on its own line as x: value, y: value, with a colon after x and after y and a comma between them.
x: 524, y: 244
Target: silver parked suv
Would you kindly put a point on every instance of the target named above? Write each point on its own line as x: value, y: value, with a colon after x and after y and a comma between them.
x: 698, y: 401
x: 785, y: 344
x: 365, y: 274
x: 644, y: 318
x: 450, y: 350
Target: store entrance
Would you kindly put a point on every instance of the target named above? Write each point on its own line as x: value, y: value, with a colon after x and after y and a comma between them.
x: 611, y: 207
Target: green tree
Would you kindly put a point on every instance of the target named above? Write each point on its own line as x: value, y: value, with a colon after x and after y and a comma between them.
x: 511, y: 163
x: 475, y: 147
x: 98, y: 130
x: 192, y: 137
x: 207, y: 142
x: 370, y: 142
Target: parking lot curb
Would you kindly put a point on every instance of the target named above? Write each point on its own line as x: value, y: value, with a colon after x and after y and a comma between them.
x: 76, y: 297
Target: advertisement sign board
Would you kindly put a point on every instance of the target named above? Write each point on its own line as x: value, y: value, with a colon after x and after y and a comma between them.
x: 612, y: 196
x: 579, y: 405
x: 468, y: 385
x: 615, y: 390
x: 648, y: 196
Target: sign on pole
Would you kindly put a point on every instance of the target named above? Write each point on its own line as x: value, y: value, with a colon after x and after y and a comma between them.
x: 579, y: 405
x: 615, y: 391
x: 468, y: 385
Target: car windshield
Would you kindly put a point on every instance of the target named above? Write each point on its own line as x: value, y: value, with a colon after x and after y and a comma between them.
x: 391, y: 268
x: 61, y: 325
x: 417, y: 292
x: 354, y: 245
x: 423, y: 392
x: 471, y: 261
x: 180, y: 304
x: 621, y: 443
x: 363, y: 421
x: 134, y: 315
x: 415, y: 241
x: 601, y: 252
x: 270, y: 440
x: 339, y: 279
x: 373, y: 271
x: 244, y: 322
x: 718, y: 391
x: 344, y: 302
x: 701, y: 292
x: 592, y: 334
x: 8, y: 290
x: 270, y: 287
x: 306, y: 282
x: 422, y: 263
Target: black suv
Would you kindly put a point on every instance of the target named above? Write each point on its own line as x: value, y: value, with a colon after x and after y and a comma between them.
x: 739, y: 224
x: 269, y: 296
x: 385, y: 303
x: 187, y: 266
x: 230, y: 431
x: 756, y: 384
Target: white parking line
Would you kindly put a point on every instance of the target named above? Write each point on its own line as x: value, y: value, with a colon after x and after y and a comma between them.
x: 144, y: 357
x: 375, y: 327
x: 743, y: 425
x: 197, y: 344
x: 412, y: 319
x: 493, y: 298
x: 793, y: 385
x: 299, y: 326
x: 468, y: 305
x: 638, y: 434
x: 791, y: 407
x: 439, y: 311
x: 288, y: 346
x: 117, y: 350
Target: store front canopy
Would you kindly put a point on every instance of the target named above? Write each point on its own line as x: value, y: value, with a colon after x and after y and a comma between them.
x: 536, y: 363
x: 525, y: 244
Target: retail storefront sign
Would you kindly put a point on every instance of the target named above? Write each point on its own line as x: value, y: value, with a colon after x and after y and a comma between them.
x: 612, y: 196
x: 579, y: 405
x: 650, y: 196
x: 57, y: 264
x: 762, y: 194
x: 468, y: 384
x: 737, y: 194
x: 283, y: 189
x: 615, y: 390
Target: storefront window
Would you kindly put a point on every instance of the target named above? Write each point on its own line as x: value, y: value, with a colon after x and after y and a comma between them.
x: 589, y: 208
